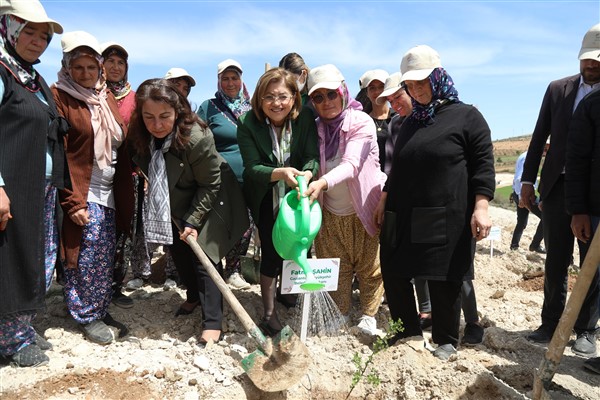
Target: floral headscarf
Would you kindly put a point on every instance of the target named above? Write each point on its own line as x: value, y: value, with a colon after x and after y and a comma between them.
x: 443, y: 91
x: 334, y: 125
x: 238, y: 105
x: 10, y: 29
x: 122, y: 88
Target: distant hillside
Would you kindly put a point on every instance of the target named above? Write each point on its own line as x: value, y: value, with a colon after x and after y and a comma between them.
x: 506, y: 152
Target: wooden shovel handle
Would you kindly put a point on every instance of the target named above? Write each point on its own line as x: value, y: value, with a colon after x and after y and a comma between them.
x: 233, y: 302
x: 563, y: 331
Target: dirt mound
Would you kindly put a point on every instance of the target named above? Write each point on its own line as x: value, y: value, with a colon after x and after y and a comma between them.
x: 160, y: 359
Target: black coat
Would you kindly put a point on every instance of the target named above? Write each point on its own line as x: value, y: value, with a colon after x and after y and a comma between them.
x: 436, y: 172
x: 28, y: 129
x: 555, y: 114
x: 582, y: 177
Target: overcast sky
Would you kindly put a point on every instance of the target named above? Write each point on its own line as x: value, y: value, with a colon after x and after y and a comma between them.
x: 501, y: 54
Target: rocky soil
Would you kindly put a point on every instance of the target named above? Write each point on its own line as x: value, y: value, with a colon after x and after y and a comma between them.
x: 160, y: 358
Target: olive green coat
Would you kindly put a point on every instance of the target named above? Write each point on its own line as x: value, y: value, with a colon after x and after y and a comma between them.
x: 256, y: 148
x: 204, y: 192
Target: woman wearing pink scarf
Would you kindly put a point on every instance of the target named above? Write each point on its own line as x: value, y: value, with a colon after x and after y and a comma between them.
x: 93, y: 210
x: 349, y: 188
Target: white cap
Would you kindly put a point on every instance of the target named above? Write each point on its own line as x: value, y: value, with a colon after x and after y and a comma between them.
x: 418, y: 63
x: 179, y: 73
x: 72, y: 40
x: 107, y: 45
x: 372, y: 75
x: 590, y: 46
x: 326, y: 76
x: 229, y: 63
x: 392, y: 84
x: 30, y: 11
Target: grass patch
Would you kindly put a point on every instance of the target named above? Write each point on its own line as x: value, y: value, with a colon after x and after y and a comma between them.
x: 502, y: 197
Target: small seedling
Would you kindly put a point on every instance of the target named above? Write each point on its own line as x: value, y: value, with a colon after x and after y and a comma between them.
x: 364, y: 368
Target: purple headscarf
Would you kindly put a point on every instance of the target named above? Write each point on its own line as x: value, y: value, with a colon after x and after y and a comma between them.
x: 334, y: 125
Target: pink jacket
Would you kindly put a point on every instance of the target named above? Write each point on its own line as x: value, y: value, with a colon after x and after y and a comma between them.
x: 359, y: 165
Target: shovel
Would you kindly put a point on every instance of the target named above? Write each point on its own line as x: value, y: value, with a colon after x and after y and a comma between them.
x: 551, y: 360
x: 278, y: 363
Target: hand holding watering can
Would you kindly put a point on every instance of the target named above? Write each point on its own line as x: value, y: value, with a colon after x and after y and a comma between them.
x: 296, y: 226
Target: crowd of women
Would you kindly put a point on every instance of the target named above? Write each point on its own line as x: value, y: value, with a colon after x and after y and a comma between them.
x: 404, y: 189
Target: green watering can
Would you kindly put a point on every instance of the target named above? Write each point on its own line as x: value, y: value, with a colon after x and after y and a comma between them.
x: 296, y: 226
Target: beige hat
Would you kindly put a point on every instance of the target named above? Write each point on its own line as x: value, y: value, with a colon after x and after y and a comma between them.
x: 72, y: 40
x: 392, y: 85
x: 108, y: 45
x: 326, y: 76
x: 179, y: 73
x: 590, y: 46
x: 31, y: 11
x: 229, y: 63
x: 418, y: 63
x: 372, y: 75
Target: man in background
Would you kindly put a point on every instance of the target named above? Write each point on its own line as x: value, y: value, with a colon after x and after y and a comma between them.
x: 558, y: 105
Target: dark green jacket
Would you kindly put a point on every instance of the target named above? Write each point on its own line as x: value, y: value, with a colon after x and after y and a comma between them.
x: 256, y: 148
x: 204, y: 192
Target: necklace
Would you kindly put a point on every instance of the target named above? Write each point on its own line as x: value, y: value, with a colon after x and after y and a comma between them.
x: 379, y: 123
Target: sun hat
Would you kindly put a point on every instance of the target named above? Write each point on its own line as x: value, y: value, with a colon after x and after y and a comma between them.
x: 325, y: 76
x: 108, y: 45
x: 418, y: 63
x: 372, y: 75
x: 229, y: 63
x: 31, y: 11
x: 72, y: 40
x: 180, y: 73
x: 590, y: 45
x: 392, y: 85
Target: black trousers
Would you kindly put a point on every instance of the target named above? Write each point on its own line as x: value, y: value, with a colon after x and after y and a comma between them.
x: 200, y: 286
x: 522, y: 218
x: 445, y: 307
x: 560, y: 243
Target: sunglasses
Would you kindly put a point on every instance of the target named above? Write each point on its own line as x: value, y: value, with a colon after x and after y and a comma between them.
x: 319, y: 98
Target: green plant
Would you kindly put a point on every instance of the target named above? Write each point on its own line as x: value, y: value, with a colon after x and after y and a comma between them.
x: 364, y: 367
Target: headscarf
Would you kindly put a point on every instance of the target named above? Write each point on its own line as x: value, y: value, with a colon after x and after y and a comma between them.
x: 10, y: 29
x: 103, y: 121
x: 334, y: 125
x: 122, y: 88
x: 442, y: 90
x: 238, y: 105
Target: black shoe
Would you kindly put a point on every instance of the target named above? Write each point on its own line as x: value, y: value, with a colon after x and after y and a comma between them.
x: 585, y: 345
x: 42, y: 343
x: 539, y: 249
x: 543, y: 334
x: 120, y: 300
x: 30, y: 356
x: 109, y: 320
x: 473, y: 334
x: 513, y: 247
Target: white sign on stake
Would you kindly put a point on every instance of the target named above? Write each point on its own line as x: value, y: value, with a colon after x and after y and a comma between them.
x: 493, y: 236
x: 326, y: 270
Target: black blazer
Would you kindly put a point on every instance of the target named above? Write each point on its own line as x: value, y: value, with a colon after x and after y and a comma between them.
x: 553, y: 120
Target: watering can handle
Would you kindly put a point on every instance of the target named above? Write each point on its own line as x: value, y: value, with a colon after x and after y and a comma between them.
x: 305, y: 204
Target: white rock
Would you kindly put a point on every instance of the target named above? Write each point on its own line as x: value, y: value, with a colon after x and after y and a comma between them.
x: 239, y: 349
x: 82, y: 349
x: 202, y: 362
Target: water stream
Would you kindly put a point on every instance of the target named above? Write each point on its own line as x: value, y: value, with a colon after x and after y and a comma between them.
x: 323, y: 317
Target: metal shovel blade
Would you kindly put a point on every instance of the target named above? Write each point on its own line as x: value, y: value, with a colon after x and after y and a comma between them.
x: 281, y: 365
